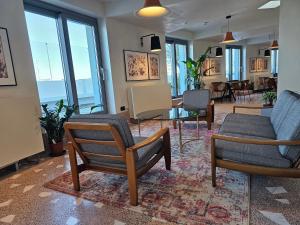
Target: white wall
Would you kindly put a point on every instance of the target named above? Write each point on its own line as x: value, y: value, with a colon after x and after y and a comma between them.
x: 289, y: 33
x: 122, y: 36
x: 19, y: 115
x: 252, y: 51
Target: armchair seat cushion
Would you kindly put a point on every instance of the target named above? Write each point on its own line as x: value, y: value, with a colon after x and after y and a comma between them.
x: 251, y: 125
x: 146, y: 153
x: 143, y: 155
x: 261, y: 155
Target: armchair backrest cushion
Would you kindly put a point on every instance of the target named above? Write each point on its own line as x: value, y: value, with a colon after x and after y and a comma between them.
x: 196, y: 99
x: 289, y: 124
x: 280, y: 111
x: 118, y: 122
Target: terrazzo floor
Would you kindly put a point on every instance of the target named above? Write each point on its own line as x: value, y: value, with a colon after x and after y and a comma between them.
x: 24, y: 200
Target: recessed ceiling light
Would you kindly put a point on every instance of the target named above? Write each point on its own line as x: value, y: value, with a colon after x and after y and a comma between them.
x: 271, y: 5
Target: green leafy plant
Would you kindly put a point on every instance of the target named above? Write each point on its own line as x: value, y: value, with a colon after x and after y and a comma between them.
x: 269, y: 97
x: 53, y: 120
x: 195, y: 69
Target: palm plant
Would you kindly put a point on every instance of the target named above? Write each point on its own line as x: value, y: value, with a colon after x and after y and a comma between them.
x: 53, y: 120
x: 196, y: 72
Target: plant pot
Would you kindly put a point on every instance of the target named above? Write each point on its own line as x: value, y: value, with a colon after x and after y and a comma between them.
x: 57, y: 149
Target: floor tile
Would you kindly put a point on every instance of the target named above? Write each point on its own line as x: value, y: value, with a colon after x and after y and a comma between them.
x: 276, y: 190
x: 99, y: 205
x: 117, y: 222
x: 277, y: 218
x: 16, y: 176
x: 283, y: 201
x: 14, y: 185
x: 28, y: 188
x: 7, y: 219
x: 45, y: 194
x: 6, y: 203
x: 72, y: 221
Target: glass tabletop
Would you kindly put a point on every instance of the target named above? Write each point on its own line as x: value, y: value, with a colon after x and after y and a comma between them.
x: 167, y: 114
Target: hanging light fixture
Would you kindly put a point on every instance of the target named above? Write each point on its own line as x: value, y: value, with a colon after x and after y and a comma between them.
x: 274, y: 45
x: 228, y: 36
x: 155, y: 42
x: 152, y: 8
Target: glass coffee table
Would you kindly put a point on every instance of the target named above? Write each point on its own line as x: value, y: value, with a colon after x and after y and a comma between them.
x: 177, y: 115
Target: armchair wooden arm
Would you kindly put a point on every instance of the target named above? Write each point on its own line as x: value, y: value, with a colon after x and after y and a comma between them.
x: 254, y: 141
x: 161, y: 133
x: 249, y: 168
x: 246, y: 107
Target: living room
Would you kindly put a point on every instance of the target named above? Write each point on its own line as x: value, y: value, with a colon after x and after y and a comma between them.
x: 149, y: 112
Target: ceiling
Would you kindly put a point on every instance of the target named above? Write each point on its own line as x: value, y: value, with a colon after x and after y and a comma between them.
x: 203, y: 19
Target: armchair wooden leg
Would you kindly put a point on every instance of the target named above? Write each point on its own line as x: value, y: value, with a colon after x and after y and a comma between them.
x: 132, y: 178
x: 213, y: 163
x: 74, y: 167
x: 167, y: 150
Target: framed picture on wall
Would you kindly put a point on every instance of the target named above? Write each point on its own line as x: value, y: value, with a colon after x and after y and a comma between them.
x: 154, y: 66
x: 252, y: 65
x: 136, y: 65
x: 215, y: 66
x: 260, y: 67
x: 7, y: 73
x: 265, y: 65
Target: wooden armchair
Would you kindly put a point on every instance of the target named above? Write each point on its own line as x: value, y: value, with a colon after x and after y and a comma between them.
x: 105, y: 144
x: 199, y: 101
x: 258, y: 144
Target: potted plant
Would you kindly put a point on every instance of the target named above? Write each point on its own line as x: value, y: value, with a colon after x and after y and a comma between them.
x: 269, y: 97
x: 52, y: 121
x: 196, y: 72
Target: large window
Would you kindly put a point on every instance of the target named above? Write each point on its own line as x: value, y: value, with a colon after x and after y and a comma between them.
x: 274, y: 61
x: 65, y: 54
x: 177, y: 51
x: 234, y: 62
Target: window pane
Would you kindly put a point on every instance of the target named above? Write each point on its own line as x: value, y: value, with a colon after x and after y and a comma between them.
x: 47, y: 60
x: 228, y: 63
x: 171, y: 68
x: 181, y: 68
x: 236, y: 64
x: 84, y: 56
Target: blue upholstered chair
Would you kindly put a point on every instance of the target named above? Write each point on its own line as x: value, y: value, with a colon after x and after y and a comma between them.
x: 259, y: 144
x: 105, y: 143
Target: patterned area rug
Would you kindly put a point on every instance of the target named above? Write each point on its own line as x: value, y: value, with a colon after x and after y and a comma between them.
x: 183, y: 195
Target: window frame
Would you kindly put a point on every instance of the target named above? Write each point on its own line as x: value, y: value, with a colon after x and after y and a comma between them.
x: 62, y: 15
x: 174, y: 41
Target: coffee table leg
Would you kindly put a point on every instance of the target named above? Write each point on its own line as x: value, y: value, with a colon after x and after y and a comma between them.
x: 180, y: 136
x: 139, y: 127
x: 197, y: 126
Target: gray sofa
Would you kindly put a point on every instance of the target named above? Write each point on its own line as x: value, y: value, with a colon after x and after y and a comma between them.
x: 259, y: 144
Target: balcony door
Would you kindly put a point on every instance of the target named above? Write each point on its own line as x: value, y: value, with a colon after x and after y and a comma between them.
x: 66, y: 57
x: 176, y: 52
x: 233, y: 63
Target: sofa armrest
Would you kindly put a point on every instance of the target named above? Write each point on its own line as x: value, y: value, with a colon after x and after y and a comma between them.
x: 253, y: 140
x: 246, y: 107
x: 161, y: 133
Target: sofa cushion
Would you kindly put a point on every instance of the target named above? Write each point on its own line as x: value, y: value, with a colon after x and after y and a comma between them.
x: 143, y: 155
x: 252, y: 125
x: 262, y: 155
x: 290, y: 130
x: 281, y: 108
